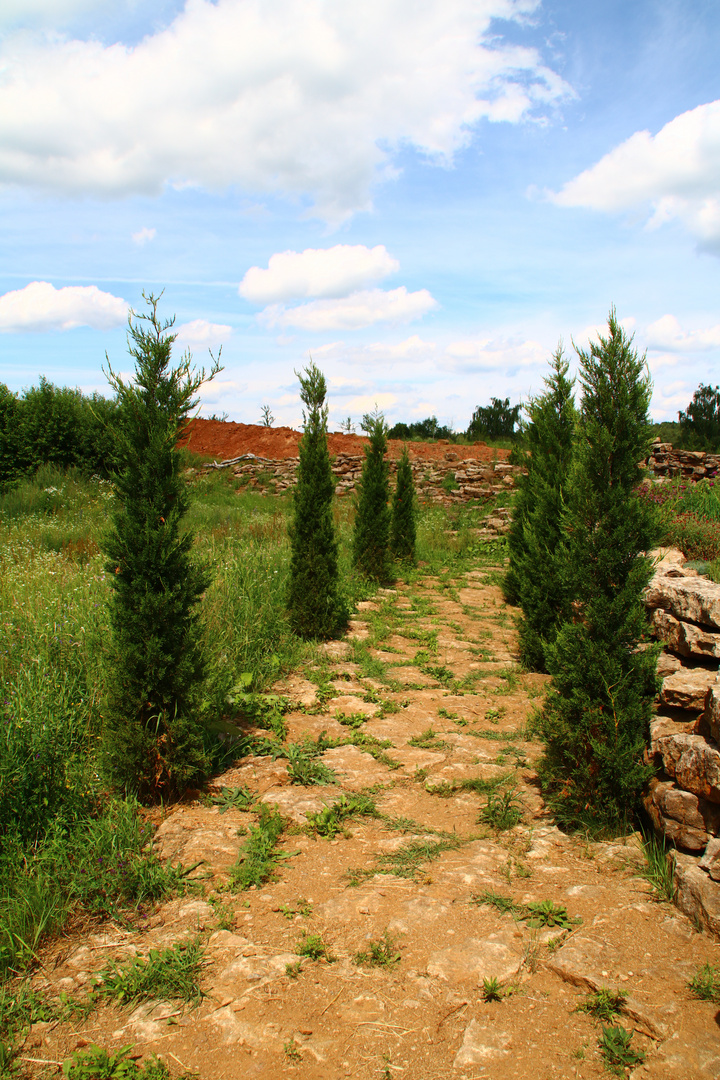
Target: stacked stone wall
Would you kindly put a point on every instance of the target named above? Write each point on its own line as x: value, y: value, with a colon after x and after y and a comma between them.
x: 664, y: 461
x: 684, y: 799
x: 470, y: 478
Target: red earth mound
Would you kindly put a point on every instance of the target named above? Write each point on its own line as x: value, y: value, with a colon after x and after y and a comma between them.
x: 223, y: 439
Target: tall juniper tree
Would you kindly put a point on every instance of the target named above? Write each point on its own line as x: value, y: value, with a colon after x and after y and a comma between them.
x: 371, y: 536
x: 596, y: 716
x: 403, y: 524
x: 153, y: 738
x: 534, y: 579
x: 316, y: 607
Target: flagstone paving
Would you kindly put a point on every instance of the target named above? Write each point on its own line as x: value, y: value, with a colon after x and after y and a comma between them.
x: 430, y: 669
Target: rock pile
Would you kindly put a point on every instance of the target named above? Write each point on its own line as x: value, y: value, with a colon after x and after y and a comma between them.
x: 690, y: 464
x: 684, y: 800
x: 443, y: 481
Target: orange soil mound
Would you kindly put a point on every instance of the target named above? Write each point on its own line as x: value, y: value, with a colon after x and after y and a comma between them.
x: 223, y: 439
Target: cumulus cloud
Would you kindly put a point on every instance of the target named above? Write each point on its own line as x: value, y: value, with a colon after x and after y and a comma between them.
x: 303, y: 99
x: 40, y: 306
x: 326, y: 272
x: 352, y: 312
x: 495, y: 355
x: 143, y: 235
x: 200, y: 332
x: 666, y: 333
x: 676, y: 174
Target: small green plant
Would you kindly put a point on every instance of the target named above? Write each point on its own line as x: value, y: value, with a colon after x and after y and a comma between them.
x: 493, y: 715
x: 302, y: 907
x: 617, y: 1053
x: 502, y: 810
x: 659, y: 867
x: 98, y: 1064
x: 504, y: 904
x: 705, y: 983
x: 313, y: 947
x: 239, y: 798
x: 174, y: 972
x: 293, y: 970
x: 352, y: 720
x: 329, y: 821
x: 258, y: 856
x: 428, y: 740
x: 544, y: 913
x: 305, y: 768
x: 603, y: 1004
x: 292, y: 1051
x: 492, y: 989
x: 381, y: 953
x: 447, y: 715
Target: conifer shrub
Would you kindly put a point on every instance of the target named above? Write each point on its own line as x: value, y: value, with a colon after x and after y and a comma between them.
x: 596, y: 716
x: 153, y: 737
x: 534, y: 578
x: 316, y: 606
x: 371, y: 536
x: 403, y: 522
x: 9, y: 457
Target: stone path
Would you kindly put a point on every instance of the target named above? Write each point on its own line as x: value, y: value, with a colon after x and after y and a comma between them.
x: 428, y: 669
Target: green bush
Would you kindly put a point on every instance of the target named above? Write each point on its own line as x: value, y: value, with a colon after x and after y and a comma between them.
x: 596, y: 716
x: 316, y: 607
x: 153, y: 738
x: 498, y: 420
x: 700, y: 423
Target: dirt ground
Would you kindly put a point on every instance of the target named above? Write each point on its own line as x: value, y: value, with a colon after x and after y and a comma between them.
x: 417, y: 874
x: 222, y: 439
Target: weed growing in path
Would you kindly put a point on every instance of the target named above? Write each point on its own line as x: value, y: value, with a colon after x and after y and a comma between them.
x: 502, y: 811
x: 329, y: 821
x: 705, y: 984
x: 381, y: 953
x: 313, y: 947
x: 660, y: 868
x: 617, y: 1053
x: 493, y: 990
x: 258, y: 856
x: 603, y: 1004
x: 165, y: 973
x: 98, y: 1064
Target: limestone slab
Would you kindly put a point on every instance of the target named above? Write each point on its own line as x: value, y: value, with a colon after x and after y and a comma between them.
x: 691, y: 599
x: 685, y: 638
x: 687, y: 687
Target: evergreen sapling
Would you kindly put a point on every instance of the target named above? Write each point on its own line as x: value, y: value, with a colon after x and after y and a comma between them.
x: 596, y: 716
x: 534, y: 579
x: 316, y: 608
x: 403, y: 525
x: 153, y: 737
x: 371, y: 537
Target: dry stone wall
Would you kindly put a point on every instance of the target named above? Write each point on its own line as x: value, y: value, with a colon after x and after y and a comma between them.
x: 684, y: 799
x: 664, y: 461
x: 469, y: 478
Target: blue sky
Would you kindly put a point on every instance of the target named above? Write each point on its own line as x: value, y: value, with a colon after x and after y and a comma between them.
x: 422, y: 196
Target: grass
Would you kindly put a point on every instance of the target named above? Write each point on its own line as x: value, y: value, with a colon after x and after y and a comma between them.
x: 448, y: 788
x: 603, y: 1004
x: 406, y: 861
x: 305, y: 768
x: 493, y: 990
x: 428, y: 740
x: 659, y: 867
x: 705, y: 984
x: 381, y: 953
x: 330, y: 820
x: 502, y: 810
x: 259, y: 856
x: 312, y: 947
x: 95, y: 1063
x: 537, y: 914
x: 173, y: 973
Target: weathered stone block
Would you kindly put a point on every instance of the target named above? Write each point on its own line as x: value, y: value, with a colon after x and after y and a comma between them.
x: 693, y: 762
x: 710, y: 861
x: 685, y: 638
x: 687, y: 687
x: 692, y: 599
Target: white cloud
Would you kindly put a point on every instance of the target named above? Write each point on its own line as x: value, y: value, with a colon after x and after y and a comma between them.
x: 326, y: 272
x: 675, y: 173
x: 40, y: 306
x: 495, y: 355
x: 200, y: 333
x: 352, y: 312
x: 666, y: 333
x: 367, y: 402
x: 305, y: 99
x: 143, y: 235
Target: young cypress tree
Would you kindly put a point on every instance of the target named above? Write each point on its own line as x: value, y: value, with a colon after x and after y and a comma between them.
x: 403, y: 524
x: 153, y: 739
x: 371, y: 537
x: 315, y: 605
x: 596, y: 716
x: 534, y: 578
